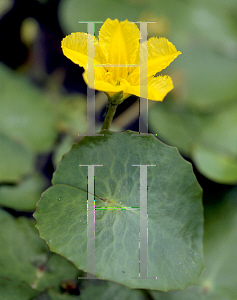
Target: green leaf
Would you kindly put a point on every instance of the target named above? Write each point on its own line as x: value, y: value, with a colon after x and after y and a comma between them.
x: 15, y: 290
x: 177, y: 125
x: 217, y: 166
x: 24, y: 195
x: 62, y: 148
x: 105, y: 290
x: 72, y: 114
x: 209, y: 138
x: 27, y: 251
x: 69, y: 10
x: 52, y: 295
x: 25, y: 257
x: 16, y: 161
x: 205, y: 86
x: 215, y: 153
x: 25, y: 113
x: 172, y: 14
x: 175, y: 211
x: 213, y: 22
x: 220, y: 132
x: 5, y: 6
x: 218, y: 281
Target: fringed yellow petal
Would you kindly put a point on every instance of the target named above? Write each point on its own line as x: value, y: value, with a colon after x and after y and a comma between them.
x: 157, y: 88
x: 160, y: 54
x: 75, y: 45
x: 120, y: 43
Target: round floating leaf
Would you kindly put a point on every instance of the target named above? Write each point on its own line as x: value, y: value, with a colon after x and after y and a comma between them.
x: 174, y: 211
x: 15, y: 160
x: 25, y: 113
x: 24, y: 195
x: 25, y: 257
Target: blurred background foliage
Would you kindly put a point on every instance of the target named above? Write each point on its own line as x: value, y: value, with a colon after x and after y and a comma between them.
x: 43, y: 111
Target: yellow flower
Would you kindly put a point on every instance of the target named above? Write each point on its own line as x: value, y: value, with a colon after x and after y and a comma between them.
x: 118, y: 43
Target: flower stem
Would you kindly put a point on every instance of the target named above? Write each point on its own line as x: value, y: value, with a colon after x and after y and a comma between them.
x: 109, y: 116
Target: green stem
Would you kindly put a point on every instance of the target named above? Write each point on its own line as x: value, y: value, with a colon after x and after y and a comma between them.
x: 109, y: 116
